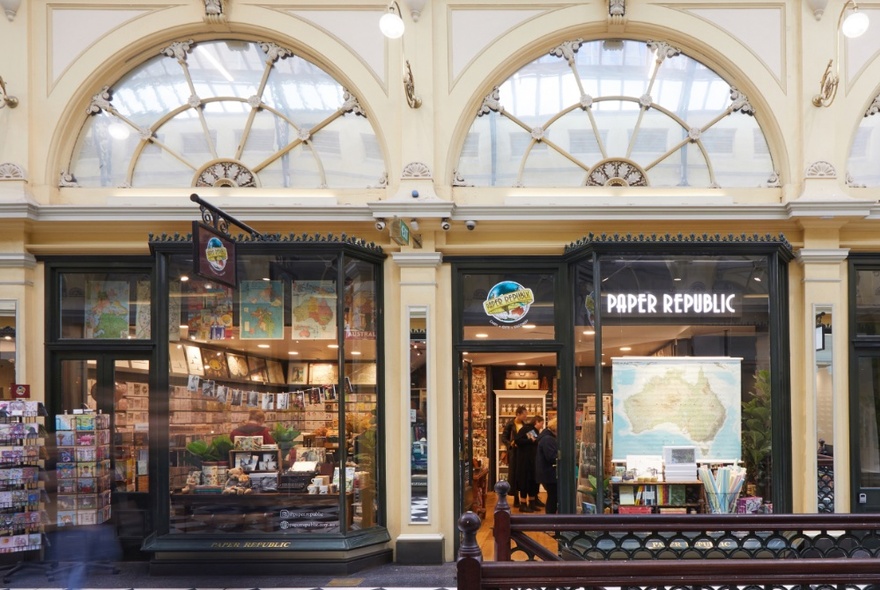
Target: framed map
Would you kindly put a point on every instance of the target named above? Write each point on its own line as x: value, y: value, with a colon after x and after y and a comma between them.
x: 262, y: 310
x: 257, y: 368
x: 297, y: 373
x: 677, y: 401
x: 323, y: 374
x: 276, y: 372
x: 194, y: 360
x: 238, y: 366
x: 106, y: 309
x: 313, y: 310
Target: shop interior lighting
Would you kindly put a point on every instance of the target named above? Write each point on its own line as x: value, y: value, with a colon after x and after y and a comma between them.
x: 391, y: 23
x: 8, y: 100
x: 852, y: 24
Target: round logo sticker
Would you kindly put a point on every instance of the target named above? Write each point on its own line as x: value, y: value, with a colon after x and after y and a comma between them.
x: 216, y: 254
x: 508, y: 302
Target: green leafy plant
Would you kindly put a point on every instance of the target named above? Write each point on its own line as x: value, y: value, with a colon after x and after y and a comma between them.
x: 284, y: 434
x: 757, y: 441
x: 218, y: 449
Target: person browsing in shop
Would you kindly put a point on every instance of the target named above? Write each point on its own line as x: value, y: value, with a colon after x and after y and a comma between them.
x: 255, y: 425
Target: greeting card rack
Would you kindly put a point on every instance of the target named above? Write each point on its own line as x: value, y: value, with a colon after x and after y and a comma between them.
x: 22, y: 495
x: 83, y: 469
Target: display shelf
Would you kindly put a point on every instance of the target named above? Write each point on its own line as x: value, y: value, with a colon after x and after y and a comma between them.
x: 658, y: 497
x: 83, y: 469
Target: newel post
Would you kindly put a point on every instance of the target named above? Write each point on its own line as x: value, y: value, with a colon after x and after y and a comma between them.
x: 470, y: 558
x: 501, y: 530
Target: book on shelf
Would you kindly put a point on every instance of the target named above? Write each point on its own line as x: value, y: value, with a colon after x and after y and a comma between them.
x: 673, y: 510
x: 627, y: 495
x: 634, y: 509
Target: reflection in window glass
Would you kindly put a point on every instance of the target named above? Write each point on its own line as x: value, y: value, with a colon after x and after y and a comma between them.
x: 613, y: 112
x: 867, y: 302
x: 226, y: 113
x: 105, y: 306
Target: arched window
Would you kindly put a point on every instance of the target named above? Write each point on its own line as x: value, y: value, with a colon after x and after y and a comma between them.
x: 864, y: 153
x: 616, y: 113
x: 226, y: 113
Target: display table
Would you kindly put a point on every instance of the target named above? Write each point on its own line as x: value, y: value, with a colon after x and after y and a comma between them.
x: 206, y: 513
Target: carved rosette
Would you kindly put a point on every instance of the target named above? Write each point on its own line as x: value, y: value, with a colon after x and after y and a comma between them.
x: 225, y: 173
x: 821, y: 169
x: 10, y: 171
x: 617, y: 172
x: 416, y: 170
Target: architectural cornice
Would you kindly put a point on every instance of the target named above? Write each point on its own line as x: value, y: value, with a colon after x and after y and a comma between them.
x: 822, y: 255
x: 417, y: 259
x: 17, y: 260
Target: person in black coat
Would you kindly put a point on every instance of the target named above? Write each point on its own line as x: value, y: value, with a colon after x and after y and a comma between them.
x: 545, y: 465
x: 526, y: 446
x: 507, y: 439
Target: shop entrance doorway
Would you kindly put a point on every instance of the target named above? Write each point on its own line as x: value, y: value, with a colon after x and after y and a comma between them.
x: 119, y: 386
x: 493, y: 385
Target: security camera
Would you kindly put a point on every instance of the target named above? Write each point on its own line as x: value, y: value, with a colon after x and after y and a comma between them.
x: 444, y: 224
x: 380, y: 224
x: 470, y: 224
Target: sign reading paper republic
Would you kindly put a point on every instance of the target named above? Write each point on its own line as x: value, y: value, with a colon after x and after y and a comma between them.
x: 214, y: 256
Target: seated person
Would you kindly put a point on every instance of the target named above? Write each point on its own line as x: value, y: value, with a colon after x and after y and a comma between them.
x: 254, y: 426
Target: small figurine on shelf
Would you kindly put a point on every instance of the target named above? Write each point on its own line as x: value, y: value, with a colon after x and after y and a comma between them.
x: 237, y: 482
x: 192, y: 480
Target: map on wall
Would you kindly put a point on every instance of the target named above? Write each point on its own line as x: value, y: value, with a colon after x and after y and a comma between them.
x: 313, y: 308
x: 106, y: 309
x: 677, y: 401
x: 262, y: 310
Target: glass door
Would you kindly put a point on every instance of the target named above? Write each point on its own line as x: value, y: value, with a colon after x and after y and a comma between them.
x: 107, y: 383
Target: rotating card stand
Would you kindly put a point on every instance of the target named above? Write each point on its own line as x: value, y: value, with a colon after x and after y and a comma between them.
x: 22, y: 498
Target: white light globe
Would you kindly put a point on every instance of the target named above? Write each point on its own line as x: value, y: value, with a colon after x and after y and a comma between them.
x: 855, y: 24
x: 391, y: 25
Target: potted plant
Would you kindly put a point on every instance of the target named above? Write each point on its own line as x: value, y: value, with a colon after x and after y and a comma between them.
x: 757, y: 441
x: 212, y: 457
x: 284, y: 436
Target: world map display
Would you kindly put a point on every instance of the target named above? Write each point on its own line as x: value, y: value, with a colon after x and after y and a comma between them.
x: 677, y: 401
x: 262, y: 309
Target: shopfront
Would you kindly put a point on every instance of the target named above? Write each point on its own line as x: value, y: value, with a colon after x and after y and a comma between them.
x: 245, y: 411
x: 686, y: 339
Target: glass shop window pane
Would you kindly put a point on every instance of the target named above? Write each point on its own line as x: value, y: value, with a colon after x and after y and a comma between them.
x: 267, y: 353
x: 105, y: 306
x: 495, y: 303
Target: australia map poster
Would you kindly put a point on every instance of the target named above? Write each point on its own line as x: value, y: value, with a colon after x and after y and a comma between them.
x: 313, y: 308
x: 671, y: 401
x: 262, y: 310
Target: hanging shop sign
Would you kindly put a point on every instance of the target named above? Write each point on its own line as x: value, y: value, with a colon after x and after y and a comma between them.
x: 399, y: 232
x: 643, y: 304
x: 508, y: 303
x: 214, y: 255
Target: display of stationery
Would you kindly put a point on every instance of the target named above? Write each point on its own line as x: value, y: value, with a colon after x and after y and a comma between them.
x: 83, y: 468
x: 722, y: 487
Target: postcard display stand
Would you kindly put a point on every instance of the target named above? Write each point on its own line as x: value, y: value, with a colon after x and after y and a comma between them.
x: 83, y: 469
x: 22, y: 506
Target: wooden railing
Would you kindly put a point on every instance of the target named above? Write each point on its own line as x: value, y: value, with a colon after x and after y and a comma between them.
x: 676, y: 551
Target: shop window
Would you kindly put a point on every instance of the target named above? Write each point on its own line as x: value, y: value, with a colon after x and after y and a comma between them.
x: 273, y: 409
x: 7, y: 347
x: 864, y: 152
x: 105, y: 306
x: 680, y: 349
x: 648, y: 91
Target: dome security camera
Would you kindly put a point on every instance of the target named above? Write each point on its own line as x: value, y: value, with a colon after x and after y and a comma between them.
x: 380, y: 224
x: 444, y: 224
x: 470, y: 224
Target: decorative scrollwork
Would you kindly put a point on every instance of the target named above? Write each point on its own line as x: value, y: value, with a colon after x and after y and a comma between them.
x: 662, y: 49
x: 774, y: 180
x: 850, y: 182
x: 178, y: 50
x: 616, y: 172
x: 491, y: 103
x: 359, y: 243
x: 874, y: 108
x: 416, y: 170
x: 215, y: 11
x: 567, y: 50
x: 274, y: 52
x: 350, y: 104
x: 225, y: 173
x: 100, y: 101
x: 680, y: 239
x: 740, y: 102
x: 617, y: 8
x: 67, y: 179
x: 458, y: 179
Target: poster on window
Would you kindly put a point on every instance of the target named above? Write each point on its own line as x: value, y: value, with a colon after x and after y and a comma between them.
x: 313, y: 309
x: 262, y: 310
x: 677, y: 401
x: 107, y: 309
